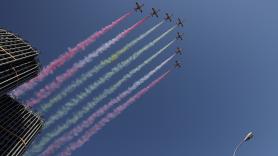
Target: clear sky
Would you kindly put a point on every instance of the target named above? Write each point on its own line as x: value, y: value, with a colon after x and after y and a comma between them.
x: 227, y: 87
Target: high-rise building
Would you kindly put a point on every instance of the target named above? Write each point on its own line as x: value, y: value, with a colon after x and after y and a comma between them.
x: 18, y: 126
x: 18, y: 61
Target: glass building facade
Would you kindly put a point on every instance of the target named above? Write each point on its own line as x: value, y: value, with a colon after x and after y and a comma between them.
x: 18, y: 61
x: 18, y: 124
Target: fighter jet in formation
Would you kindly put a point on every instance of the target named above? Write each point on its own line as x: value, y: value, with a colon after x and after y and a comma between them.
x: 155, y: 12
x: 179, y: 36
x: 177, y: 64
x: 180, y: 23
x: 139, y: 7
x: 168, y: 17
x: 179, y: 51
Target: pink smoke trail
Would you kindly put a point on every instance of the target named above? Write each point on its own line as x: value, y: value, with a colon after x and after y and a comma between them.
x: 109, y: 117
x: 60, y: 79
x: 58, y: 62
x: 90, y: 120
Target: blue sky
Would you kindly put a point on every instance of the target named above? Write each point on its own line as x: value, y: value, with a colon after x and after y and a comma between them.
x: 227, y: 87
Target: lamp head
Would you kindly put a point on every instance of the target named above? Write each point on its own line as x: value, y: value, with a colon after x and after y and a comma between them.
x: 249, y: 136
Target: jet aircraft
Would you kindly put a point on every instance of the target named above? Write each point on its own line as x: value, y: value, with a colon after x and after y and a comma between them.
x: 179, y: 51
x: 168, y: 17
x: 180, y: 23
x: 139, y: 7
x: 179, y: 36
x: 155, y: 12
x: 177, y: 64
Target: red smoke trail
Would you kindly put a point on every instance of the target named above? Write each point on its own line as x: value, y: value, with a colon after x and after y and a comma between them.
x: 60, y: 79
x: 58, y: 62
x: 109, y: 117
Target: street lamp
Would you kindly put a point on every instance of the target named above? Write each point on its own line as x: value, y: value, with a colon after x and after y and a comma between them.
x: 248, y: 137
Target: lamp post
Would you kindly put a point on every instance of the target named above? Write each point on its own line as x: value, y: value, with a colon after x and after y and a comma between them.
x: 248, y: 137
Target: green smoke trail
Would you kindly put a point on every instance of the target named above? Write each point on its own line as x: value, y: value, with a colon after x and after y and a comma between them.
x: 88, y: 90
x: 84, y: 77
x: 86, y: 109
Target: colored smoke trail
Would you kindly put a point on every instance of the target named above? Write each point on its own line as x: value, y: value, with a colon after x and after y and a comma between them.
x: 56, y: 84
x: 58, y: 62
x: 84, y: 77
x: 90, y: 120
x: 88, y: 90
x: 109, y: 117
x: 86, y: 109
